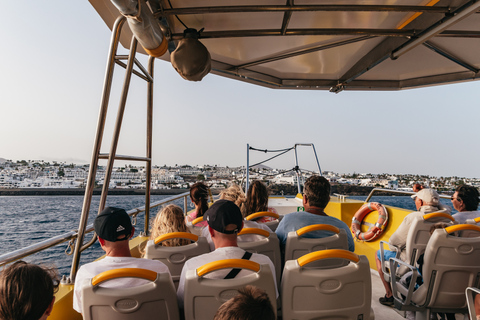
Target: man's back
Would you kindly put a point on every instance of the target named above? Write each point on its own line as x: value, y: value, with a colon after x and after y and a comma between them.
x: 219, y: 254
x: 298, y: 220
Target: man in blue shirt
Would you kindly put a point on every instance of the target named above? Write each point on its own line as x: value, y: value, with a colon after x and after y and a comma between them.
x: 316, y: 195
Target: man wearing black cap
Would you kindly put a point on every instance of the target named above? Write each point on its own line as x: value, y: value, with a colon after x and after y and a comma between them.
x: 224, y: 222
x: 113, y: 228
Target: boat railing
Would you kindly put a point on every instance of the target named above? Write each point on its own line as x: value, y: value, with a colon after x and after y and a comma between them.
x: 72, y: 235
x: 443, y: 196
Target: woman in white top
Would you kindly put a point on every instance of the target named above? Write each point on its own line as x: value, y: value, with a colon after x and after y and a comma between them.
x: 465, y: 200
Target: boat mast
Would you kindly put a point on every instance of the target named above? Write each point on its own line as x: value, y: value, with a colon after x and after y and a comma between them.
x: 113, y: 59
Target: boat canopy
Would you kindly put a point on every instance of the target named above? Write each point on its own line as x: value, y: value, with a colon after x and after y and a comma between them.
x: 326, y: 45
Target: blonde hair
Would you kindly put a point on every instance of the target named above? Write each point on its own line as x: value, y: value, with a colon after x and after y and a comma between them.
x: 235, y: 194
x: 169, y: 219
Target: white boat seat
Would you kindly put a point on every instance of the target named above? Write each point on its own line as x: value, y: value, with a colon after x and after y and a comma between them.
x: 319, y: 293
x: 417, y: 239
x: 194, y: 228
x: 451, y: 264
x: 271, y: 224
x: 203, y: 296
x: 471, y: 233
x: 297, y: 245
x: 269, y: 246
x: 470, y: 294
x: 174, y: 257
x: 154, y: 300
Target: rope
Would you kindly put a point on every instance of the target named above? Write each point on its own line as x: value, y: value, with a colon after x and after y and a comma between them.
x: 265, y: 150
x: 271, y: 175
x: 256, y: 164
x: 177, y: 16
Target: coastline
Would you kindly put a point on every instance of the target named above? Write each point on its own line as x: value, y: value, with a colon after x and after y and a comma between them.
x: 349, y: 190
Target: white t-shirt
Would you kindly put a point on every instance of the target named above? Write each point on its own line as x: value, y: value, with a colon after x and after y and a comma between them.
x: 220, y: 254
x: 90, y: 270
x: 463, y: 216
x: 246, y: 237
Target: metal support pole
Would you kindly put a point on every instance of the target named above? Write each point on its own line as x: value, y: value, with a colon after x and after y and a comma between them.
x: 247, y: 182
x: 148, y: 181
x: 316, y: 158
x: 118, y: 123
x: 296, y: 170
x: 107, y: 85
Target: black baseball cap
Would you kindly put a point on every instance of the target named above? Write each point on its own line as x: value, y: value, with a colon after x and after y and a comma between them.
x: 223, y: 213
x: 112, y: 223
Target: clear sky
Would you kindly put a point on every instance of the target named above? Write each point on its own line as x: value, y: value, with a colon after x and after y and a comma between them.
x: 51, y: 76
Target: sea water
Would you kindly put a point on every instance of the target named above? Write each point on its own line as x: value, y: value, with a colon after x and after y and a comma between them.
x: 26, y: 220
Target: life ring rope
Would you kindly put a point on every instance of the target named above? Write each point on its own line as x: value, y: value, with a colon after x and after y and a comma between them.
x: 377, y: 229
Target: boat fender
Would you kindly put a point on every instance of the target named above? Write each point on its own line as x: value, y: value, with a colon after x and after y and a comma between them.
x: 143, y: 25
x: 375, y: 231
x: 191, y: 58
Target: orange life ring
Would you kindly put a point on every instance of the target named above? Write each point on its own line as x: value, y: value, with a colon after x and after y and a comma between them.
x: 373, y: 232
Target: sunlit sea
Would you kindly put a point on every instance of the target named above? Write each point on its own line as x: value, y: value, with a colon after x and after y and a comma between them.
x: 26, y: 220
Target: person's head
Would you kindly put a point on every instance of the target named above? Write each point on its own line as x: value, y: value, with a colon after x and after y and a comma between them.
x: 417, y: 187
x: 251, y: 303
x: 316, y: 192
x: 27, y: 291
x: 224, y: 222
x: 426, y: 197
x: 257, y: 198
x: 199, y: 196
x: 169, y: 219
x: 465, y: 198
x: 113, y: 228
x: 235, y: 194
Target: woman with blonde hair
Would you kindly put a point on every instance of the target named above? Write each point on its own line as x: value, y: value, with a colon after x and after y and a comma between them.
x: 169, y: 219
x: 235, y: 194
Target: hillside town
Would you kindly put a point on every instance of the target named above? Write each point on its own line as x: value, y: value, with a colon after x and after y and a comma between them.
x: 43, y: 174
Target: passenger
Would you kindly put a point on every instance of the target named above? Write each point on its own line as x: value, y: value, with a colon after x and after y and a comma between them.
x: 27, y: 291
x: 427, y: 201
x: 235, y: 194
x: 257, y: 200
x: 169, y: 219
x: 417, y: 187
x: 465, y: 201
x: 224, y: 222
x: 199, y: 197
x: 113, y: 228
x: 251, y: 303
x: 316, y: 195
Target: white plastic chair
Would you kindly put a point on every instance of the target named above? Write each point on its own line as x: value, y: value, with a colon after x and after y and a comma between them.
x: 470, y: 294
x: 203, y: 296
x: 193, y: 228
x: 319, y: 293
x: 154, y: 300
x: 271, y: 224
x: 174, y: 257
x: 269, y: 246
x: 451, y: 264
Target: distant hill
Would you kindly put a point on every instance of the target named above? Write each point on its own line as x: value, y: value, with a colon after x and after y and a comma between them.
x: 261, y: 166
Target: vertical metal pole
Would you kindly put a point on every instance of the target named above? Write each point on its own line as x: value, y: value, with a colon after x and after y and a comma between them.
x: 107, y: 85
x: 316, y: 158
x: 248, y: 168
x: 118, y: 123
x: 148, y: 181
x: 296, y: 169
x: 185, y: 205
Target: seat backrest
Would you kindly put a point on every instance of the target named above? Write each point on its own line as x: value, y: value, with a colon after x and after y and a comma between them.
x: 269, y: 246
x: 419, y: 234
x: 174, y: 257
x: 471, y: 233
x: 154, y: 300
x: 195, y: 227
x: 319, y: 293
x: 272, y: 218
x: 451, y: 264
x: 297, y: 245
x: 203, y: 296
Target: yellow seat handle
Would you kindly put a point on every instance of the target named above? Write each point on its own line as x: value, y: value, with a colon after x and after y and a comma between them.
x: 327, y: 254
x: 315, y: 227
x: 438, y: 215
x: 122, y: 273
x: 460, y: 227
x: 260, y: 214
x: 259, y: 231
x: 197, y: 220
x: 227, y: 263
x: 175, y: 235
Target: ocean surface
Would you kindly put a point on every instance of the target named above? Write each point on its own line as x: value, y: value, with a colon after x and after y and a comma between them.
x: 26, y: 220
